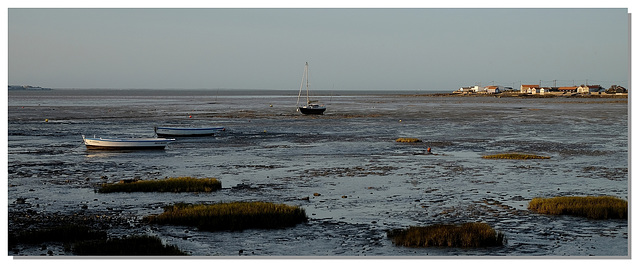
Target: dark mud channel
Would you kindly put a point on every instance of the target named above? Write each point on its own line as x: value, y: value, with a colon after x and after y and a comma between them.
x: 344, y: 168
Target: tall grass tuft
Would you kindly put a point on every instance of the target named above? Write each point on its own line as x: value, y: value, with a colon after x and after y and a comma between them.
x: 448, y: 235
x: 181, y: 184
x: 231, y: 216
x: 593, y: 207
x: 516, y: 156
x: 139, y: 245
x: 408, y: 140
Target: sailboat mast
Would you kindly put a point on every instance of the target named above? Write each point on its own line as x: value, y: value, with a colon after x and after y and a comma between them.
x: 306, y: 71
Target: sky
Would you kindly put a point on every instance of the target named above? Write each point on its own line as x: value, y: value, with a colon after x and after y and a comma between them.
x: 354, y: 48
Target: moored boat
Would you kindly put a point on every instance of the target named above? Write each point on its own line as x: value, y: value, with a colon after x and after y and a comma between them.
x: 126, y: 144
x: 186, y: 132
x: 312, y: 107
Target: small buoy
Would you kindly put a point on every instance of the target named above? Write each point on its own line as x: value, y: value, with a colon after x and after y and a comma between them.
x: 189, y: 116
x: 265, y: 131
x: 400, y: 120
x: 46, y: 120
x: 270, y: 105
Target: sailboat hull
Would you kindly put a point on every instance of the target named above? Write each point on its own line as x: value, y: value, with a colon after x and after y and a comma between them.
x: 312, y: 110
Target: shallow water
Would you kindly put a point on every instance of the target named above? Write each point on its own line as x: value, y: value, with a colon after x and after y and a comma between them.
x: 367, y: 182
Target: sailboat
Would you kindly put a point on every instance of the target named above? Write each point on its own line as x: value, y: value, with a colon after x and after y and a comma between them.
x: 311, y: 107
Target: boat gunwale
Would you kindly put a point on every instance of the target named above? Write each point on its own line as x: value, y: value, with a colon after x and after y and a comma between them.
x: 130, y: 140
x: 123, y: 148
x: 186, y: 129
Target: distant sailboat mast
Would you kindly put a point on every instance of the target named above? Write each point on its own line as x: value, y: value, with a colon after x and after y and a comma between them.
x: 305, y: 73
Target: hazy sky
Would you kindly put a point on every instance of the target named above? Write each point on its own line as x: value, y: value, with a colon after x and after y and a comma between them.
x: 345, y: 48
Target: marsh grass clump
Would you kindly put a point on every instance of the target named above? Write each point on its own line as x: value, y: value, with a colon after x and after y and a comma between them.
x: 139, y: 245
x: 175, y: 185
x: 233, y: 216
x: 593, y: 207
x: 410, y: 140
x: 448, y: 235
x: 65, y: 234
x: 516, y: 156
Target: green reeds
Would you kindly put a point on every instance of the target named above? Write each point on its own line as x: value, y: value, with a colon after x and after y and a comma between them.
x: 139, y: 245
x: 231, y: 216
x: 181, y: 184
x: 408, y: 140
x: 516, y: 156
x: 448, y: 235
x: 593, y: 207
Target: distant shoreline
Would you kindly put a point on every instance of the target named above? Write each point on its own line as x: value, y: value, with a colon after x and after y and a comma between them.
x: 528, y: 95
x: 319, y: 93
x: 30, y: 88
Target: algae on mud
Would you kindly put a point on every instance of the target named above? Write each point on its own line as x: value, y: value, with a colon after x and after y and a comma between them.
x: 83, y: 240
x: 64, y: 233
x: 408, y: 140
x: 135, y: 245
x: 516, y: 156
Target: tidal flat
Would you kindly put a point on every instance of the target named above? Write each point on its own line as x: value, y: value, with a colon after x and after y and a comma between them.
x: 344, y: 168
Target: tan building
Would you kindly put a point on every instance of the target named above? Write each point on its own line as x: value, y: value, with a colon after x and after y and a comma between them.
x: 528, y: 88
x: 568, y: 89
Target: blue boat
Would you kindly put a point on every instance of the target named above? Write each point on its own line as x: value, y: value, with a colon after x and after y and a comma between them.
x: 186, y: 131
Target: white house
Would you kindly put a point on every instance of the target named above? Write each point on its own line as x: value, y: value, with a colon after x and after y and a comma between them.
x: 469, y: 89
x: 589, y: 88
x: 492, y: 89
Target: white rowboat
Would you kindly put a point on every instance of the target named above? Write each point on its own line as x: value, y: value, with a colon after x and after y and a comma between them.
x: 184, y: 132
x: 125, y: 144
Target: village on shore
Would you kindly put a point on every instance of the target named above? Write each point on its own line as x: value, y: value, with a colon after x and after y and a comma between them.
x: 27, y: 87
x: 537, y: 90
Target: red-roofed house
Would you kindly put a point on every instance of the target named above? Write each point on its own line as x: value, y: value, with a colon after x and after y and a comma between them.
x: 528, y: 88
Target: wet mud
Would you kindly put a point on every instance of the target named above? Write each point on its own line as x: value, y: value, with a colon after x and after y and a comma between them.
x: 344, y: 168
